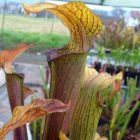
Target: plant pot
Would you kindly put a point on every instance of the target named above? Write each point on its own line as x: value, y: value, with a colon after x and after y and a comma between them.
x: 110, y: 69
x: 97, y: 66
x: 131, y: 73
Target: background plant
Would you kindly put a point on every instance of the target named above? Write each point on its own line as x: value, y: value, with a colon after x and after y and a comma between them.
x: 117, y: 35
x: 123, y: 107
x: 123, y: 43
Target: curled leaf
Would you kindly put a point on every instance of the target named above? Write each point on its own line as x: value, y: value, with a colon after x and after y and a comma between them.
x: 101, y: 81
x: 89, y: 72
x: 95, y: 92
x: 31, y: 112
x: 36, y: 8
x: 83, y: 24
x: 8, y: 56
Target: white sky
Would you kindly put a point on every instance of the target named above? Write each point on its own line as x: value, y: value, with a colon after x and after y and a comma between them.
x: 130, y: 3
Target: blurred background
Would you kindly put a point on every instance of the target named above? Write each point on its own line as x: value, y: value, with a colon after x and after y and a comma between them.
x: 116, y: 49
x: 46, y: 31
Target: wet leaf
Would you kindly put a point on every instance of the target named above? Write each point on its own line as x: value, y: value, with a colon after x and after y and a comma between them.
x: 8, y: 56
x: 31, y: 112
x: 83, y: 24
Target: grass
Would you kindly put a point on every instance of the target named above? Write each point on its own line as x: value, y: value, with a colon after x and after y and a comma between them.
x: 32, y: 24
x: 41, y: 41
x: 44, y: 33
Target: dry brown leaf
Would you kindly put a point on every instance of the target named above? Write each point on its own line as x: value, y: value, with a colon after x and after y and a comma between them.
x: 83, y: 24
x: 8, y: 56
x: 31, y: 112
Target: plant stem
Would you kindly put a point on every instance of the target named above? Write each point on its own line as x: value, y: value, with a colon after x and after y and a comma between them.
x: 34, y: 130
x: 14, y: 83
x: 45, y: 82
x: 3, y: 18
x: 66, y: 78
x: 110, y: 135
x: 42, y: 128
x: 86, y: 115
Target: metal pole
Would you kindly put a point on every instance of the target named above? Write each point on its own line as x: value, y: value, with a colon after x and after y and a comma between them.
x: 52, y: 25
x: 102, y: 2
x: 3, y: 18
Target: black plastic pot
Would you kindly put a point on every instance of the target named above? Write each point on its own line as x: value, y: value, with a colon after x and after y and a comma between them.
x: 131, y: 73
x: 97, y: 66
x: 110, y: 69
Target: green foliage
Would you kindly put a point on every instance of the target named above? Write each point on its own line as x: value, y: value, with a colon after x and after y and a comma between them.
x: 41, y: 41
x: 37, y: 128
x: 133, y: 58
x: 45, y: 85
x: 123, y: 41
x: 122, y: 112
x: 120, y: 56
x: 101, y: 53
x: 127, y: 57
